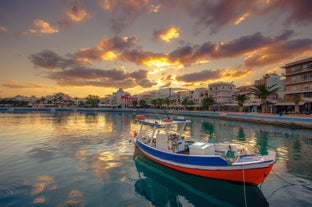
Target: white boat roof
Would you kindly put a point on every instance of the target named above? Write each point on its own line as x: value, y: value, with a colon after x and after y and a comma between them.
x: 161, y: 122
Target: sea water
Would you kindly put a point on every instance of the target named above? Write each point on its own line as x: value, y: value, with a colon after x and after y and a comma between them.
x: 89, y: 159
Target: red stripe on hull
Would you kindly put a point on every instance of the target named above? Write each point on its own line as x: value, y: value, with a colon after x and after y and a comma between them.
x: 250, y: 176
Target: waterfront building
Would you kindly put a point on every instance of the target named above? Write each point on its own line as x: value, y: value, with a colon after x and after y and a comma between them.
x: 299, y: 78
x: 299, y: 82
x: 198, y: 95
x: 222, y: 92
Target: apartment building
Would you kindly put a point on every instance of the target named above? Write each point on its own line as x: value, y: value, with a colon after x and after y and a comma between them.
x: 222, y: 92
x: 299, y: 79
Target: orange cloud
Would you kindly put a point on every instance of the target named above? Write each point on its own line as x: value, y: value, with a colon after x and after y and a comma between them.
x: 43, y: 27
x: 169, y: 34
x: 76, y: 12
x: 228, y: 73
x: 18, y: 85
x: 241, y: 18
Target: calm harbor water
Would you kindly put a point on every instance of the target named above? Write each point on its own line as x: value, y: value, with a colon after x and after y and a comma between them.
x: 89, y: 159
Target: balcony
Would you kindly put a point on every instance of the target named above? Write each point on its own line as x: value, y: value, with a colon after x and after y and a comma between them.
x: 301, y: 80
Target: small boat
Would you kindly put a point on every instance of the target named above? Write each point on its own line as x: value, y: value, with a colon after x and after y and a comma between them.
x: 162, y: 186
x: 165, y: 144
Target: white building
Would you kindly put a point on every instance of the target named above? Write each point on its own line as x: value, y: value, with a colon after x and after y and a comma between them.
x: 222, y: 92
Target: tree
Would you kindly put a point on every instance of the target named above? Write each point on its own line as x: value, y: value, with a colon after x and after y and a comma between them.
x: 208, y: 101
x: 160, y: 102
x: 263, y: 92
x: 167, y: 102
x: 154, y: 102
x: 134, y: 103
x: 185, y: 102
x: 142, y: 103
x: 92, y: 100
x: 241, y: 98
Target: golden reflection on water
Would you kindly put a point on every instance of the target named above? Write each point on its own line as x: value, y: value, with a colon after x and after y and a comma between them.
x: 39, y: 185
x: 103, y: 163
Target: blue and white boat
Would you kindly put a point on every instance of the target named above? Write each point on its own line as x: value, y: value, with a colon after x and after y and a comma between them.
x: 167, y: 146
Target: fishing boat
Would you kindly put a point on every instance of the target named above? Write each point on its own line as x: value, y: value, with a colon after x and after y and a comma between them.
x: 163, y: 142
x: 162, y: 186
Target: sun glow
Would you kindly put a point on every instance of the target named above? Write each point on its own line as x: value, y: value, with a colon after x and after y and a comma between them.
x: 157, y: 62
x: 171, y: 33
x: 242, y: 18
x: 109, y: 56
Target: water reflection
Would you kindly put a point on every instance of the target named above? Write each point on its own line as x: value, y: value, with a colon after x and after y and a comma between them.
x: 70, y: 159
x: 241, y: 134
x: 166, y: 187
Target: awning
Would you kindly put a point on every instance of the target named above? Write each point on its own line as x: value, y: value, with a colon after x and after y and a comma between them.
x: 289, y: 103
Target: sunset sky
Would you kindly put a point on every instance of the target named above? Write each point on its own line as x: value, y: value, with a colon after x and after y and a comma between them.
x: 82, y: 47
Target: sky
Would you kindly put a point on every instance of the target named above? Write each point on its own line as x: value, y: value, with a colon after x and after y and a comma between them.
x: 95, y: 47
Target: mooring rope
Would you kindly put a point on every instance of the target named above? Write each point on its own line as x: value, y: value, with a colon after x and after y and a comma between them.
x: 245, y: 197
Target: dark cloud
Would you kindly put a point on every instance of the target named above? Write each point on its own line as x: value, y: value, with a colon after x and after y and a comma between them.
x: 145, y: 83
x: 202, y: 76
x: 298, y: 11
x: 140, y: 74
x: 51, y: 60
x: 184, y: 55
x: 117, y: 43
x: 282, y: 51
x: 215, y: 15
x: 81, y: 76
x: 126, y: 12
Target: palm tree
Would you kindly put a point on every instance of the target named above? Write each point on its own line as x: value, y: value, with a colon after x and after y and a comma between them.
x: 160, y: 102
x: 134, y: 103
x: 185, y: 102
x: 241, y: 98
x: 142, y: 103
x: 208, y: 102
x: 93, y: 100
x: 154, y: 102
x: 263, y: 92
x: 167, y: 102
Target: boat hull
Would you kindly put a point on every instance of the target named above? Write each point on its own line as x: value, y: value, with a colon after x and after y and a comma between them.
x: 253, y: 174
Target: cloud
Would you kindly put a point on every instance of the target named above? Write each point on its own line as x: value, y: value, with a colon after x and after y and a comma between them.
x: 51, y: 60
x: 106, y: 49
x: 19, y: 85
x: 3, y: 29
x: 213, y: 75
x: 298, y: 11
x: 81, y: 76
x: 43, y: 27
x: 278, y: 52
x: 69, y: 72
x: 215, y: 15
x: 201, y: 76
x: 126, y: 12
x: 75, y: 12
x: 167, y: 34
x: 237, y: 73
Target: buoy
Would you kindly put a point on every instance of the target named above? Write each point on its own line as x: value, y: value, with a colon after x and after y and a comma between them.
x: 135, y: 134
